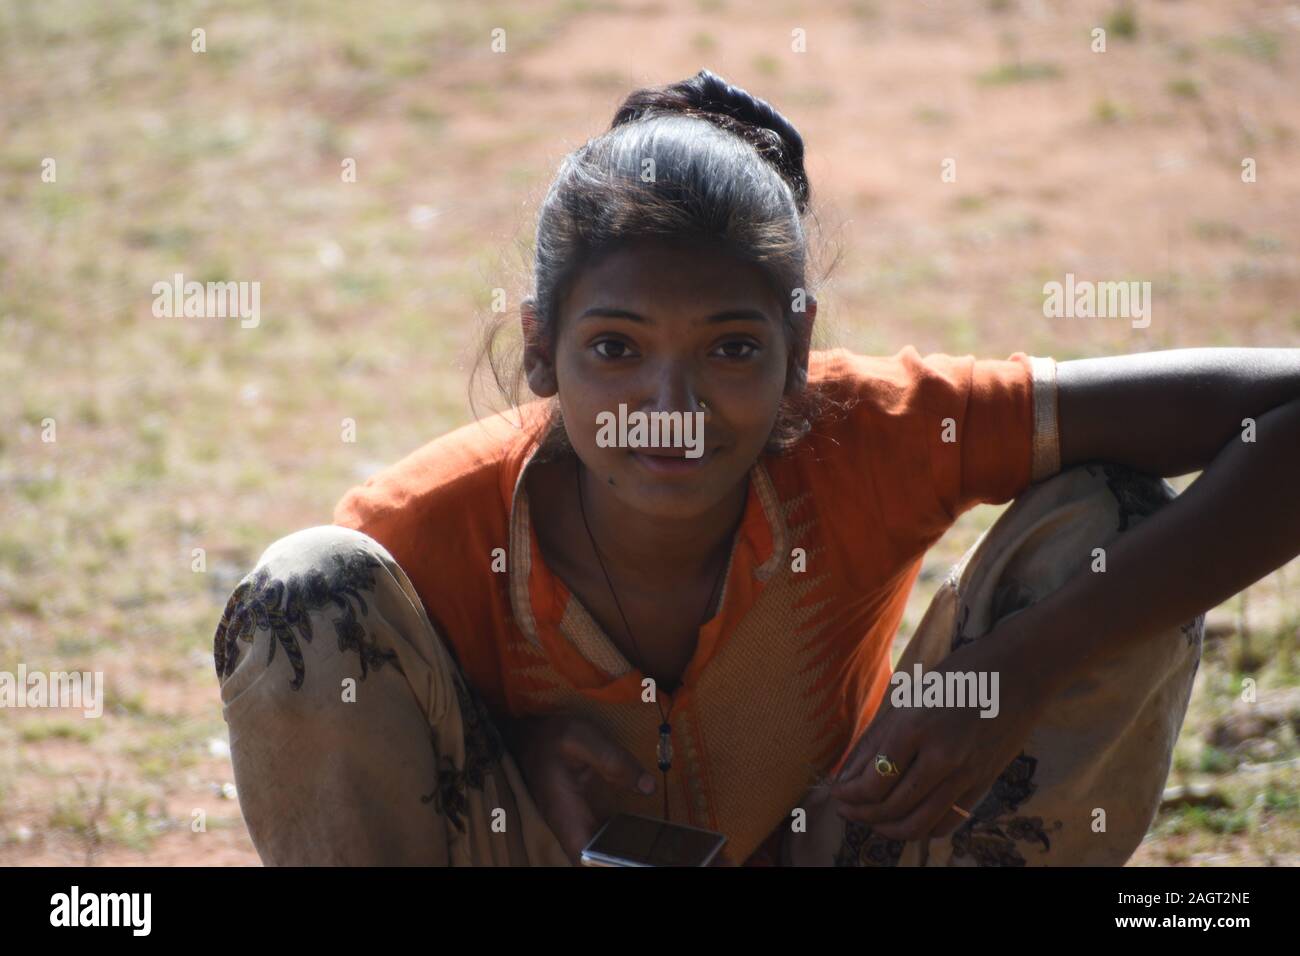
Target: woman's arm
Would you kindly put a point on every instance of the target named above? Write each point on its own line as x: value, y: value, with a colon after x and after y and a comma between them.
x: 1167, y: 413
x: 1164, y: 413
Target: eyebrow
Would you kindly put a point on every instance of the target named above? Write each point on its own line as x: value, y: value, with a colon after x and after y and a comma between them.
x: 728, y: 315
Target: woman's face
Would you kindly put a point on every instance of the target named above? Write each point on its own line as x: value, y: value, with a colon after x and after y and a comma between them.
x: 661, y: 327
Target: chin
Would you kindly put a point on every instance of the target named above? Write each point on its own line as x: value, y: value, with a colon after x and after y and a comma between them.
x: 677, y: 494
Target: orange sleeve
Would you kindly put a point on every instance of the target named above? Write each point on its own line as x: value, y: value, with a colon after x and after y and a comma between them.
x: 382, y: 508
x: 983, y: 442
x: 439, y: 513
x: 936, y: 435
x: 438, y: 498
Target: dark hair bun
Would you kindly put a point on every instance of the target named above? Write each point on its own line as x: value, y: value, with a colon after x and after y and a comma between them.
x: 711, y: 97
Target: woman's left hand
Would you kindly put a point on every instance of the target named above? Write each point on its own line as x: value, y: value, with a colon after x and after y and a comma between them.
x: 945, y: 755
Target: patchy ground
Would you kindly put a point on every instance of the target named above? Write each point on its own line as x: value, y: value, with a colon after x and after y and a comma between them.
x: 177, y: 434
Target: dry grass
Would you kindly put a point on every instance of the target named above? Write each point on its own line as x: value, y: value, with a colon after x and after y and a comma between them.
x: 176, y: 434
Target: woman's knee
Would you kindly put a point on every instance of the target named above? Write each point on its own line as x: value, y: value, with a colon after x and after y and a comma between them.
x: 1058, y: 528
x: 1086, y: 505
x: 318, y: 553
x: 319, y: 579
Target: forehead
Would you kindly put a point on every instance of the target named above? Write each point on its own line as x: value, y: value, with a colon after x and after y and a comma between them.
x: 659, y: 275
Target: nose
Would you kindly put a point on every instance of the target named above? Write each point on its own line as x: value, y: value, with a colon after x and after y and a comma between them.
x: 677, y: 390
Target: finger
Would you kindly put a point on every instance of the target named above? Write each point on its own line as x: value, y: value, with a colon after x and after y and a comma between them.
x: 967, y: 801
x: 867, y: 747
x: 611, y: 762
x: 871, y: 786
x: 916, y: 782
x: 920, y: 822
x: 574, y: 826
x: 857, y: 758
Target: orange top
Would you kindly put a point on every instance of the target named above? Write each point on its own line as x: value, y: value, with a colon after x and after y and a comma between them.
x: 791, y: 668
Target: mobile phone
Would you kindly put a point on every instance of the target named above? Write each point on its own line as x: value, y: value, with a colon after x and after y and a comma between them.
x: 631, y: 840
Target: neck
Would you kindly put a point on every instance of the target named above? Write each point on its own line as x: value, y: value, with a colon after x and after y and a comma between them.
x: 660, y: 550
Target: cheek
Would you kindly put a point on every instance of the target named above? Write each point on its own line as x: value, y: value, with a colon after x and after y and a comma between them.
x: 580, y: 402
x: 753, y: 425
x: 751, y: 404
x: 579, y: 412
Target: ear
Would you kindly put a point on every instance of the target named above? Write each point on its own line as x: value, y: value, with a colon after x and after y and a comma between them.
x: 797, y: 366
x: 539, y: 363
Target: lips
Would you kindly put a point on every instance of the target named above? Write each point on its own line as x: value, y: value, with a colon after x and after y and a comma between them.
x: 670, y: 461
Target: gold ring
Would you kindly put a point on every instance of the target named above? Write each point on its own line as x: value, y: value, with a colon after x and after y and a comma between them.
x: 886, y: 767
x: 964, y: 814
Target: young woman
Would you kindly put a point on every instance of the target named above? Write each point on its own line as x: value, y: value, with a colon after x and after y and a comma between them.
x: 535, y: 622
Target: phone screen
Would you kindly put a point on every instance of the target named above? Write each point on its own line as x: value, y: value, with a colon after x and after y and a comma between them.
x: 648, y: 842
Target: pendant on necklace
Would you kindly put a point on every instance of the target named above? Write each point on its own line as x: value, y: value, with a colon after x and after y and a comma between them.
x: 665, y: 747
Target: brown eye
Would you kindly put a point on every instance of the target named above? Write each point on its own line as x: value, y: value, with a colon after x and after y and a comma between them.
x: 620, y: 349
x: 733, y: 344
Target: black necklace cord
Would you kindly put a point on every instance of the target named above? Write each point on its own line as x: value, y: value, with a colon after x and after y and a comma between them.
x: 665, y: 728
